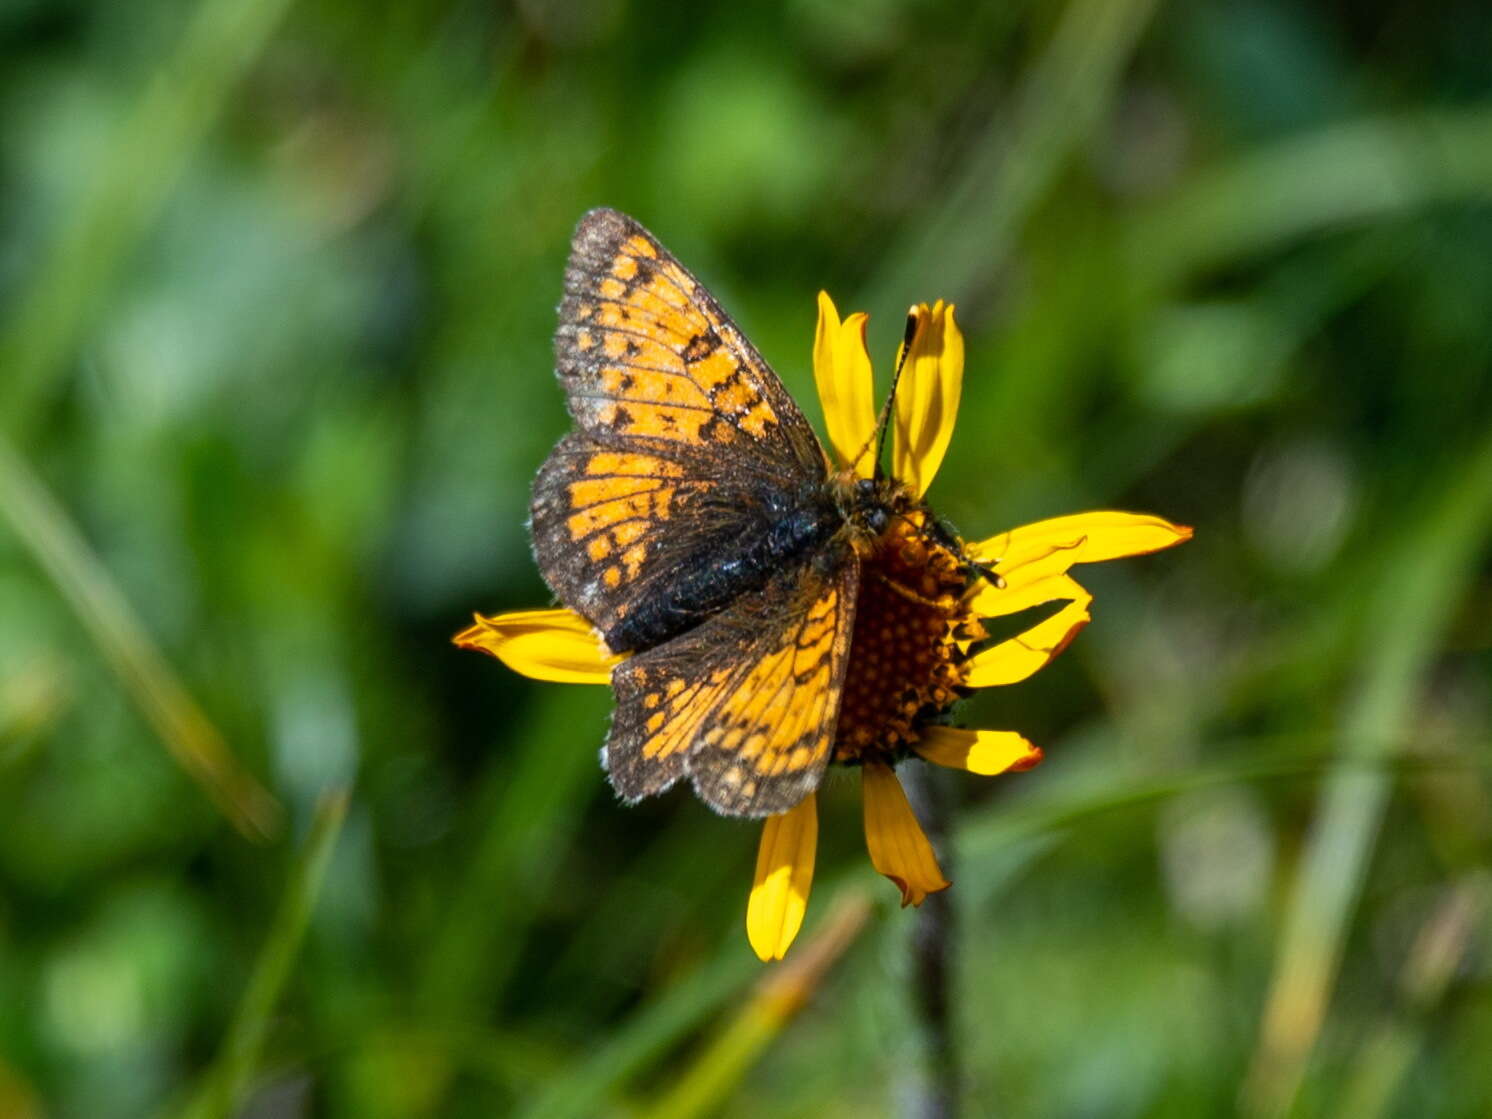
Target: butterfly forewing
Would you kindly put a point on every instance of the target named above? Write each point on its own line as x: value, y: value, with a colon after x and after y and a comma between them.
x: 689, y: 447
x: 643, y: 350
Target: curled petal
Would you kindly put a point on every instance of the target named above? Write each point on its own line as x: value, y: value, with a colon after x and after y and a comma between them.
x: 1012, y: 661
x: 898, y: 847
x: 990, y: 601
x: 784, y: 874
x: 1082, y: 537
x: 927, y: 395
x: 1028, y: 568
x: 556, y: 645
x: 985, y: 752
x: 841, y: 369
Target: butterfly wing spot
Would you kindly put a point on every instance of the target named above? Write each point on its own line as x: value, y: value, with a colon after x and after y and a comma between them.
x: 625, y: 384
x: 629, y: 532
x: 640, y: 245
x: 620, y: 346
x: 641, y: 351
x: 756, y: 423
x: 593, y: 493
x: 733, y: 398
x: 738, y: 783
x: 713, y: 371
x: 631, y: 463
x: 655, y: 421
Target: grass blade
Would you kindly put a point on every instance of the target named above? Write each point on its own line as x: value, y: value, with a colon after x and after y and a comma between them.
x: 190, y: 737
x: 1439, y: 950
x: 1410, y: 611
x: 223, y: 1088
x: 779, y: 995
x: 154, y: 145
x: 531, y: 801
x: 583, y: 1090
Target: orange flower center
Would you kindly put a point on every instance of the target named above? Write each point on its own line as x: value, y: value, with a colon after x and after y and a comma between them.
x: 907, y: 651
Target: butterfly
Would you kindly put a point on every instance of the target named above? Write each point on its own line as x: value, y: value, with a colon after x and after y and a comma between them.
x: 694, y: 518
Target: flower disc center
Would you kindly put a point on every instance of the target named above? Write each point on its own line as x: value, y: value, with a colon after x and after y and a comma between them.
x: 905, y: 662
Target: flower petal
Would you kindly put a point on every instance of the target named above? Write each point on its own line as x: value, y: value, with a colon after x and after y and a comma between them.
x: 927, y: 395
x: 990, y: 601
x: 985, y: 752
x: 556, y: 645
x: 898, y: 848
x: 1090, y: 538
x: 1012, y: 661
x: 841, y: 369
x: 784, y: 873
x: 1029, y: 567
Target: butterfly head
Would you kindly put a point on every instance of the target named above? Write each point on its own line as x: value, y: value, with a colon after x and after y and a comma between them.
x: 869, y: 506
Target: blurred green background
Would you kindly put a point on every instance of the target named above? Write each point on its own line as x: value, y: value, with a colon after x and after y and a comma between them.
x: 277, y: 283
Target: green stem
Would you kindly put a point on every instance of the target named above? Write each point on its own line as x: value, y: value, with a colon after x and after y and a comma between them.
x: 933, y: 954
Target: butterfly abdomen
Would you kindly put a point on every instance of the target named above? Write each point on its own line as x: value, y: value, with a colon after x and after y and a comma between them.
x: 787, y: 539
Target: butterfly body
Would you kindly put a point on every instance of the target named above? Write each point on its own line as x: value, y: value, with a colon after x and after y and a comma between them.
x: 694, y: 519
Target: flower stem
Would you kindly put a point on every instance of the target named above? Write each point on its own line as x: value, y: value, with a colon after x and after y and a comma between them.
x: 936, y: 1096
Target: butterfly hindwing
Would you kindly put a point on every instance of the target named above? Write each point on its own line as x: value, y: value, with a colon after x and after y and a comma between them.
x: 620, y: 530
x: 746, y: 704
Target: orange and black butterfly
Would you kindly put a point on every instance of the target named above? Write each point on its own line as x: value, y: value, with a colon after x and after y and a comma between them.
x: 694, y: 519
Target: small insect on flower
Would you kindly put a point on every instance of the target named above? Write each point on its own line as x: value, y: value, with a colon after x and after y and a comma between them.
x: 762, y: 607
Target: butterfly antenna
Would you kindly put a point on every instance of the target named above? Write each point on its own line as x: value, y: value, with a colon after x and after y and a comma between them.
x: 883, y: 421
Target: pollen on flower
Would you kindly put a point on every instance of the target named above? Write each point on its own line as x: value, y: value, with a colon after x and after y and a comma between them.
x: 911, y: 634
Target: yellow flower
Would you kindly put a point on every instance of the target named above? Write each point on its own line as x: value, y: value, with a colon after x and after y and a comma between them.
x: 916, y: 644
